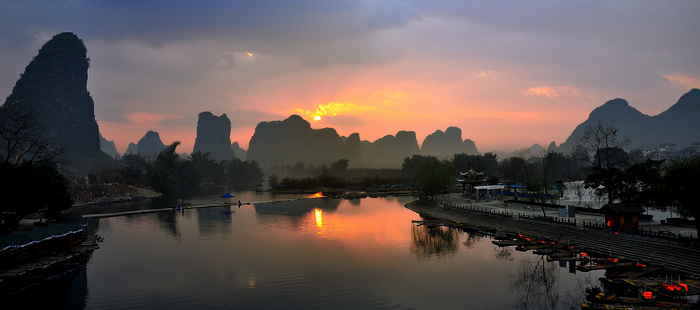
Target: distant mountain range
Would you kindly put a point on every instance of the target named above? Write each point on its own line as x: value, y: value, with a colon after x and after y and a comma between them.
x: 293, y: 140
x: 680, y: 124
x: 55, y: 84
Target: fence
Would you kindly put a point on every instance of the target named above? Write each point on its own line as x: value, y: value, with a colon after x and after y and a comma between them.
x: 659, y: 234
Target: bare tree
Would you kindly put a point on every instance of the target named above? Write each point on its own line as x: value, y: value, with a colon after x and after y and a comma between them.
x: 607, y: 155
x: 29, y: 158
x: 23, y: 140
x: 601, y: 143
x: 536, y: 172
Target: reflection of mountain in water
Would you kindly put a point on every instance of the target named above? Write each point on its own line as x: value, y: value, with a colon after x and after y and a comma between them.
x: 214, y: 221
x: 168, y: 223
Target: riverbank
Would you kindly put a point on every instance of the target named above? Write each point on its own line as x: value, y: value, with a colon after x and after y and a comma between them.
x: 678, y: 257
x: 109, y: 193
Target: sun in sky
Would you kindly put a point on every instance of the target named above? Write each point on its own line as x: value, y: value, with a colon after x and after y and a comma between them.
x: 317, y: 118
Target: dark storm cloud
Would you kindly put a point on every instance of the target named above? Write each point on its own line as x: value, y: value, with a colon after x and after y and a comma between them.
x: 159, y: 22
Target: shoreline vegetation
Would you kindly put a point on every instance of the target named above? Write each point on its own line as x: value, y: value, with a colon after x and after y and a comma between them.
x: 115, y: 192
x: 111, y: 192
x: 344, y: 196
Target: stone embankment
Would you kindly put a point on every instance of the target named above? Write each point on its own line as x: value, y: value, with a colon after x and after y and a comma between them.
x: 683, y: 258
x: 109, y: 193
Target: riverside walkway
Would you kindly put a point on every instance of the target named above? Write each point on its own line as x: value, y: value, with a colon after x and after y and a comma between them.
x: 683, y: 258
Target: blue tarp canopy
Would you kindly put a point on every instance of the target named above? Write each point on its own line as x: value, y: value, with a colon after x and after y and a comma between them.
x: 227, y: 196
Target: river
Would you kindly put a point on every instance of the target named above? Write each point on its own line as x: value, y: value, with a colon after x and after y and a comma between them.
x: 303, y: 254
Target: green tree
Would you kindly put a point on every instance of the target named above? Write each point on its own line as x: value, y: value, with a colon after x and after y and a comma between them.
x: 243, y: 174
x: 539, y: 173
x: 273, y: 180
x: 135, y: 167
x: 163, y: 176
x: 430, y: 175
x: 681, y: 187
x: 39, y: 187
x: 206, y: 169
x: 339, y: 166
x: 641, y: 183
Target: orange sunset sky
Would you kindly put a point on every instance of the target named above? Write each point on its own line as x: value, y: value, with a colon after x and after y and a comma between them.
x: 509, y: 74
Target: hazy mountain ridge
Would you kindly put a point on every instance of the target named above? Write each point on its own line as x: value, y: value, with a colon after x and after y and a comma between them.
x: 109, y: 147
x: 238, y: 151
x: 55, y: 84
x: 150, y: 145
x: 446, y: 144
x: 678, y: 124
x: 390, y: 151
x: 293, y: 141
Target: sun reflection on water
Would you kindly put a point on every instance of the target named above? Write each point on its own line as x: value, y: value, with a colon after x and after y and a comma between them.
x: 319, y: 217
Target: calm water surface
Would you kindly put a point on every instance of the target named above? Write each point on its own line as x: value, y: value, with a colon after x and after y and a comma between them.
x: 310, y: 254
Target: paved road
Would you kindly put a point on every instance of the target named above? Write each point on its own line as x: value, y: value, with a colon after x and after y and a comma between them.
x: 588, y: 217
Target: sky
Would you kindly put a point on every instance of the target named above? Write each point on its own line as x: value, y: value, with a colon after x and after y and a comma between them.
x: 507, y: 73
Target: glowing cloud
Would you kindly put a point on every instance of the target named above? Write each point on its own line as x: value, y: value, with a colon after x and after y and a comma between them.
x: 551, y: 92
x: 145, y: 118
x: 684, y: 80
x: 541, y: 91
x: 333, y: 109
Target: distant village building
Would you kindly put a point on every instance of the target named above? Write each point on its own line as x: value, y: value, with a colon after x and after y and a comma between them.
x: 690, y: 151
x: 623, y: 216
x: 470, y: 178
x: 663, y: 151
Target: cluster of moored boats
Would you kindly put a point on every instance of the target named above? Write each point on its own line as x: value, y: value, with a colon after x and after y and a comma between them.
x: 628, y: 284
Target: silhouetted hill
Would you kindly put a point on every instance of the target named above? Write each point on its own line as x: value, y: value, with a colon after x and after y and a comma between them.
x: 55, y: 85
x: 390, y: 151
x: 108, y: 147
x: 293, y: 141
x: 214, y: 136
x: 446, y: 144
x: 239, y: 152
x: 132, y: 149
x: 626, y: 118
x: 150, y: 145
x: 353, y: 148
x: 535, y: 150
x: 679, y: 124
